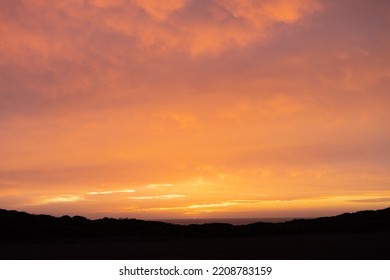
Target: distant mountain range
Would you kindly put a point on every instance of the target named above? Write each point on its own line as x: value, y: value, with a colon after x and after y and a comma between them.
x: 16, y: 225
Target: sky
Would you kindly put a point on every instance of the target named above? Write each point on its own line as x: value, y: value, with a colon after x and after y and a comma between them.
x: 193, y: 108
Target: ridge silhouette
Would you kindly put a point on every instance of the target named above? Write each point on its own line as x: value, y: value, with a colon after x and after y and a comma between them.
x: 360, y: 235
x: 14, y: 225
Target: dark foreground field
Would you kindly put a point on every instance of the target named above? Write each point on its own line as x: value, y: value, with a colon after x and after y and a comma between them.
x: 361, y: 235
x: 302, y: 246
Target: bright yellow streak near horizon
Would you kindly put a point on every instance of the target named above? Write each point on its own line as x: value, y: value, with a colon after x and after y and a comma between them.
x: 185, y: 108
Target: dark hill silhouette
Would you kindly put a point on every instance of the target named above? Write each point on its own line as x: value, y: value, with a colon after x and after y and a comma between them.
x: 337, y: 237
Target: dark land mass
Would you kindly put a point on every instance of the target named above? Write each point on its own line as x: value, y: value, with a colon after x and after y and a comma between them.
x: 360, y: 235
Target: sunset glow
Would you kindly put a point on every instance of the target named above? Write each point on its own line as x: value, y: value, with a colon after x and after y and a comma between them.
x: 194, y: 108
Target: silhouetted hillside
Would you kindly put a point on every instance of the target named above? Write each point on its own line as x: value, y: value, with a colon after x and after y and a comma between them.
x: 361, y: 235
x: 20, y: 225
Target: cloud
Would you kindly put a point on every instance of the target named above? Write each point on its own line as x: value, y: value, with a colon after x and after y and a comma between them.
x: 61, y: 199
x: 192, y: 27
x: 161, y: 10
x: 165, y: 196
x: 371, y: 200
x: 154, y: 186
x: 111, y: 192
x: 39, y: 199
x: 259, y: 13
x: 106, y: 4
x: 225, y: 100
x: 211, y: 205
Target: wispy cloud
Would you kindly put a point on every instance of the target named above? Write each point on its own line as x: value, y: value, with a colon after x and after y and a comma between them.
x: 196, y: 206
x: 245, y: 201
x: 371, y: 200
x: 78, y: 197
x: 155, y: 186
x: 212, y: 205
x: 165, y: 196
x: 62, y: 198
x: 111, y: 192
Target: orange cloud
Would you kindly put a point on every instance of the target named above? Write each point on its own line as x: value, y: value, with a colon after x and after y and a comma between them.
x: 216, y: 101
x: 161, y: 10
x: 107, y: 3
x: 260, y: 13
x: 165, y: 27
